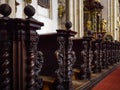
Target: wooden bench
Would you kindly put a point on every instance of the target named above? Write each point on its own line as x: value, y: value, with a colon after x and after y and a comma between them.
x: 48, y: 45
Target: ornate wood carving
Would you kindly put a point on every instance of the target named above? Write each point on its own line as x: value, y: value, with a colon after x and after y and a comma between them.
x: 66, y: 58
x: 5, y: 60
x: 109, y: 53
x: 89, y: 63
x: 96, y: 57
x: 20, y: 62
x: 84, y: 56
x: 38, y: 66
x: 34, y: 58
x: 104, y: 55
x: 5, y: 48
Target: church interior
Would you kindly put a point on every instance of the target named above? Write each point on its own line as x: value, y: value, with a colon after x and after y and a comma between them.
x: 59, y: 44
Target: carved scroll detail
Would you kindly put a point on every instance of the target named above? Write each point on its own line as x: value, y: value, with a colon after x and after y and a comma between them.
x: 38, y: 66
x: 5, y: 69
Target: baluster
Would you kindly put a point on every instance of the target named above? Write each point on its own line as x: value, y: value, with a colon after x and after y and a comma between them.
x: 5, y: 44
x: 98, y: 55
x: 100, y: 52
x: 38, y: 66
x: 119, y: 52
x: 114, y: 59
x: 66, y: 58
x: 34, y: 58
x: 90, y: 59
x: 96, y: 65
x: 89, y: 53
x: 103, y: 55
x: 116, y: 51
x: 107, y: 53
x: 84, y: 60
x: 111, y: 53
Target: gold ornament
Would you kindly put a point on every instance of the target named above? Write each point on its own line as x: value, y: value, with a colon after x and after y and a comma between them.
x: 28, y: 1
x: 60, y: 10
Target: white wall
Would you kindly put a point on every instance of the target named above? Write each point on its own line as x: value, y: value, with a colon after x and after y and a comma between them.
x: 48, y: 16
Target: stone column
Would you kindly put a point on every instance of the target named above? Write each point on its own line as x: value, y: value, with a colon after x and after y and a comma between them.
x: 81, y: 11
x: 12, y: 5
x: 76, y: 16
x: 67, y: 9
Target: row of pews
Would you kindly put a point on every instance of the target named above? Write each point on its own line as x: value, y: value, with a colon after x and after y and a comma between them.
x: 88, y: 56
x: 55, y: 61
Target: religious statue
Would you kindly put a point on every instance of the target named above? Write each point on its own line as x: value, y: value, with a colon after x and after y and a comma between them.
x: 60, y: 10
x: 104, y: 25
x: 38, y: 66
x: 89, y: 23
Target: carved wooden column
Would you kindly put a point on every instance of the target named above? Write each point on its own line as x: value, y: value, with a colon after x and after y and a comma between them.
x: 112, y: 46
x: 66, y: 58
x: 20, y: 62
x: 84, y: 60
x: 104, y: 55
x: 113, y: 54
x: 5, y: 49
x: 119, y: 51
x: 34, y: 58
x: 89, y: 40
x: 97, y: 55
x: 95, y: 60
x: 100, y: 55
x: 110, y: 53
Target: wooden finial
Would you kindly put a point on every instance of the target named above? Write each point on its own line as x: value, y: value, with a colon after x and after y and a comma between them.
x: 68, y: 25
x: 29, y: 10
x: 5, y: 10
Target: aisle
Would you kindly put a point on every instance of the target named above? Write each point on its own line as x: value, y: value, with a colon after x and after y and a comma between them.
x: 111, y: 82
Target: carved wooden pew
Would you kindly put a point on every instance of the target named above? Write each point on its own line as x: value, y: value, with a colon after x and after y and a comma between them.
x: 84, y: 56
x: 48, y: 45
x: 98, y: 55
x: 105, y: 64
x: 58, y: 59
x: 19, y: 67
x: 77, y: 47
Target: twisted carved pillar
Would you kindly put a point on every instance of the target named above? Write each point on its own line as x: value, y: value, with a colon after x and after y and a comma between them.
x: 66, y: 58
x: 5, y: 48
x: 118, y: 51
x: 110, y: 53
x: 90, y: 59
x: 84, y: 60
x: 104, y: 55
x: 98, y: 56
x: 20, y: 62
x: 34, y: 58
